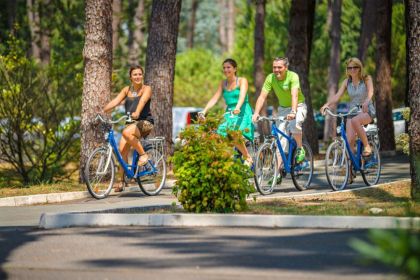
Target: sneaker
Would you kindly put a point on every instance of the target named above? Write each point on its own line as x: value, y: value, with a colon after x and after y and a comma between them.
x: 300, y: 155
x: 278, y: 180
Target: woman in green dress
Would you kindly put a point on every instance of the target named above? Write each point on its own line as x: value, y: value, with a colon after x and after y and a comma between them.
x: 234, y: 90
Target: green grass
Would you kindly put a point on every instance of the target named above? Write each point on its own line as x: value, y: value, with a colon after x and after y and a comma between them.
x: 42, y: 189
x: 11, y: 185
x: 394, y: 200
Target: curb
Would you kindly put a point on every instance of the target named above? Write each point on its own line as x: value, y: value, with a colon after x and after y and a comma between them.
x: 52, y: 197
x: 42, y: 198
x: 63, y: 220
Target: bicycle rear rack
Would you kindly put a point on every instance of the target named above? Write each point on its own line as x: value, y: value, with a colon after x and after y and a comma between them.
x: 157, y: 143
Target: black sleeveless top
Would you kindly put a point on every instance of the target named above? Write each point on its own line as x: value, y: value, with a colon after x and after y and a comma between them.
x: 131, y: 103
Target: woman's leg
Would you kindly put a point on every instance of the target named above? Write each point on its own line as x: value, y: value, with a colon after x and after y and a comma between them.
x: 242, y: 148
x: 132, y: 134
x: 351, y: 134
x: 357, y: 123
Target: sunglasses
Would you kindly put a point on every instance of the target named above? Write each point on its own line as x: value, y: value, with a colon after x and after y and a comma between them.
x: 352, y: 67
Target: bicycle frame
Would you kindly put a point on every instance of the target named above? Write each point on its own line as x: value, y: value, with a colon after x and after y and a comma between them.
x: 356, y: 159
x: 130, y: 170
x: 292, y: 144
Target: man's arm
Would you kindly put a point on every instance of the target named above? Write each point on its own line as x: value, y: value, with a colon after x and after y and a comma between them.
x: 292, y: 115
x: 260, y: 102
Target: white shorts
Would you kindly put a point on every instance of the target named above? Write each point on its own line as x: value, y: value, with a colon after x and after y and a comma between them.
x: 294, y: 126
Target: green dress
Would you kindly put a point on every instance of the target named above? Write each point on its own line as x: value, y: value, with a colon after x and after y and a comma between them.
x: 242, y: 121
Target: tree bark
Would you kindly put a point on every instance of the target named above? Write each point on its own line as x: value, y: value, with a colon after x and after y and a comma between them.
x: 412, y: 9
x: 367, y: 28
x: 383, y: 90
x: 138, y: 35
x: 40, y: 33
x: 334, y: 9
x: 299, y: 48
x: 222, y: 26
x: 116, y: 19
x: 11, y: 14
x: 97, y: 55
x: 34, y: 27
x: 230, y: 26
x: 263, y: 127
x: 160, y: 64
x: 191, y: 24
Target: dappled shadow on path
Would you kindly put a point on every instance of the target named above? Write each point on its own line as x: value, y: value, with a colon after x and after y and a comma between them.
x: 12, y: 238
x: 219, y: 248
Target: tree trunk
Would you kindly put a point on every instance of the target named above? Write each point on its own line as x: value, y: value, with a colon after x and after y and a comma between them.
x: 368, y: 27
x: 259, y: 61
x: 160, y: 64
x: 40, y: 33
x: 412, y: 9
x: 230, y: 26
x: 11, y: 14
x: 97, y: 55
x: 334, y: 9
x: 383, y: 90
x: 116, y: 19
x: 299, y: 48
x: 222, y: 26
x: 191, y: 24
x: 34, y: 27
x: 138, y: 35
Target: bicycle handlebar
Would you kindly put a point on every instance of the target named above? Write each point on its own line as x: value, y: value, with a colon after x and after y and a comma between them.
x: 126, y: 117
x: 261, y: 118
x: 341, y: 115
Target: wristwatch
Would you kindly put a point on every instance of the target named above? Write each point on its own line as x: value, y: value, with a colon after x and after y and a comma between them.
x: 292, y: 112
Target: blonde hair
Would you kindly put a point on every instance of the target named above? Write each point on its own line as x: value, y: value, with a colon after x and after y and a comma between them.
x: 357, y: 62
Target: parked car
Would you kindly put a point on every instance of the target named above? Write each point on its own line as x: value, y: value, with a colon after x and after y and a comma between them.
x: 181, y: 117
x: 319, y: 121
x: 342, y: 108
x: 400, y: 124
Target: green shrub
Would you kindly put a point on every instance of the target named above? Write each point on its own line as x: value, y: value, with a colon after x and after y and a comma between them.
x: 209, y: 178
x: 396, y: 248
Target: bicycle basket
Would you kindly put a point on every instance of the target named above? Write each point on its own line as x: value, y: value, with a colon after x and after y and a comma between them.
x: 157, y: 143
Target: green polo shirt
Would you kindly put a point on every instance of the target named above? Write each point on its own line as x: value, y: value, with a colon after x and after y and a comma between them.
x: 283, y: 88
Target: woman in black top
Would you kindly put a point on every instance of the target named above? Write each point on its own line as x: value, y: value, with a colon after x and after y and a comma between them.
x: 137, y: 102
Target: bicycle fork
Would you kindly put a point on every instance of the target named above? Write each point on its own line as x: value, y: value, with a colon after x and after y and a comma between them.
x: 106, y: 161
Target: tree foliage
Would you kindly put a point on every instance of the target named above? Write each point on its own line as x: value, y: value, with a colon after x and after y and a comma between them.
x: 38, y: 127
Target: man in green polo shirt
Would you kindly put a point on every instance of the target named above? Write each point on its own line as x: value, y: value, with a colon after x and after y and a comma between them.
x: 286, y: 86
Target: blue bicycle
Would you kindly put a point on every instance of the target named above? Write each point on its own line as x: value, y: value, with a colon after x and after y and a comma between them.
x: 100, y: 169
x: 339, y: 155
x: 267, y: 167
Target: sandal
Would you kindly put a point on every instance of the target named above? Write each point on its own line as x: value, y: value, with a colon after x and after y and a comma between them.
x: 119, y: 188
x: 144, y: 158
x: 367, y: 152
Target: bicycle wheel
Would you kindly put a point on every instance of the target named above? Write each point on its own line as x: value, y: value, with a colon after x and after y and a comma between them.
x: 336, y: 166
x: 266, y: 169
x: 99, y: 172
x: 302, y: 172
x: 153, y: 182
x: 372, y: 167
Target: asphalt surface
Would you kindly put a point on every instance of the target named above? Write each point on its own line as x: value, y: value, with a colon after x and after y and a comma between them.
x: 393, y: 168
x: 27, y: 252
x: 183, y: 253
